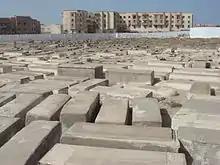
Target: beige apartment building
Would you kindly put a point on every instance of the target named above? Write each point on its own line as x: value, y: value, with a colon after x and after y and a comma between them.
x: 157, y: 22
x: 75, y: 21
x: 80, y: 21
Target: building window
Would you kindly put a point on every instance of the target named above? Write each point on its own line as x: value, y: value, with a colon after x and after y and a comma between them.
x: 189, y: 17
x: 155, y: 21
x: 120, y: 16
x: 72, y: 20
x: 188, y: 21
x: 183, y: 17
x: 129, y: 16
x: 134, y: 17
x: 72, y: 25
x: 124, y: 16
x: 72, y: 14
x: 188, y: 26
x: 161, y: 16
x: 166, y: 17
x: 25, y: 24
x: 161, y: 21
x: 182, y: 26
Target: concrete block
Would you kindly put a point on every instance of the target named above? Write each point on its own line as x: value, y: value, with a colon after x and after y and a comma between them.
x: 199, y: 145
x: 202, y: 71
x: 87, y: 85
x: 49, y: 109
x: 6, y: 97
x: 52, y: 82
x: 20, y: 106
x: 198, y: 113
x: 194, y: 77
x: 8, y: 128
x: 8, y: 77
x: 31, y: 75
x: 84, y: 107
x: 5, y: 68
x: 155, y: 68
x: 81, y: 70
x: 43, y: 68
x: 157, y: 91
x: 184, y: 85
x: 146, y: 112
x: 85, y: 155
x: 167, y: 64
x: 117, y: 92
x: 199, y: 88
x: 121, y: 137
x: 201, y: 64
x: 115, y: 111
x: 69, y: 78
x: 30, y: 144
x: 129, y: 75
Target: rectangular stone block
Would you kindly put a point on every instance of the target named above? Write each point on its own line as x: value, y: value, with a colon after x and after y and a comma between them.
x: 84, y: 155
x: 84, y: 107
x: 6, y: 97
x: 118, y: 92
x: 43, y: 68
x: 8, y: 128
x: 30, y: 144
x: 184, y: 85
x: 81, y: 70
x: 20, y: 106
x: 54, y: 82
x: 129, y: 75
x: 201, y: 64
x: 31, y: 75
x: 198, y: 113
x: 166, y: 63
x: 202, y: 71
x: 199, y: 88
x: 155, y: 68
x: 115, y: 111
x: 121, y: 137
x: 199, y: 145
x: 87, y: 85
x: 49, y: 109
x: 5, y: 68
x: 69, y: 78
x: 194, y: 77
x: 146, y: 112
x: 9, y: 77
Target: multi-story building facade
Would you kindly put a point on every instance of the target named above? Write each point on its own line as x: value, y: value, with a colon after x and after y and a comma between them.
x: 110, y: 21
x: 107, y: 21
x: 5, y: 26
x: 157, y: 22
x: 75, y: 21
x: 19, y: 25
x: 51, y: 29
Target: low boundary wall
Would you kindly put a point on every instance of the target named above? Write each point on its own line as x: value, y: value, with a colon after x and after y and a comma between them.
x: 50, y: 37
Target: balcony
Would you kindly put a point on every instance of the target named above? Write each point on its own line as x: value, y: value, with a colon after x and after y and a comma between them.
x: 179, y: 22
x: 159, y: 22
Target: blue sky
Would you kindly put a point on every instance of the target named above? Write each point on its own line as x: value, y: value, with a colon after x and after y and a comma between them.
x: 49, y: 11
